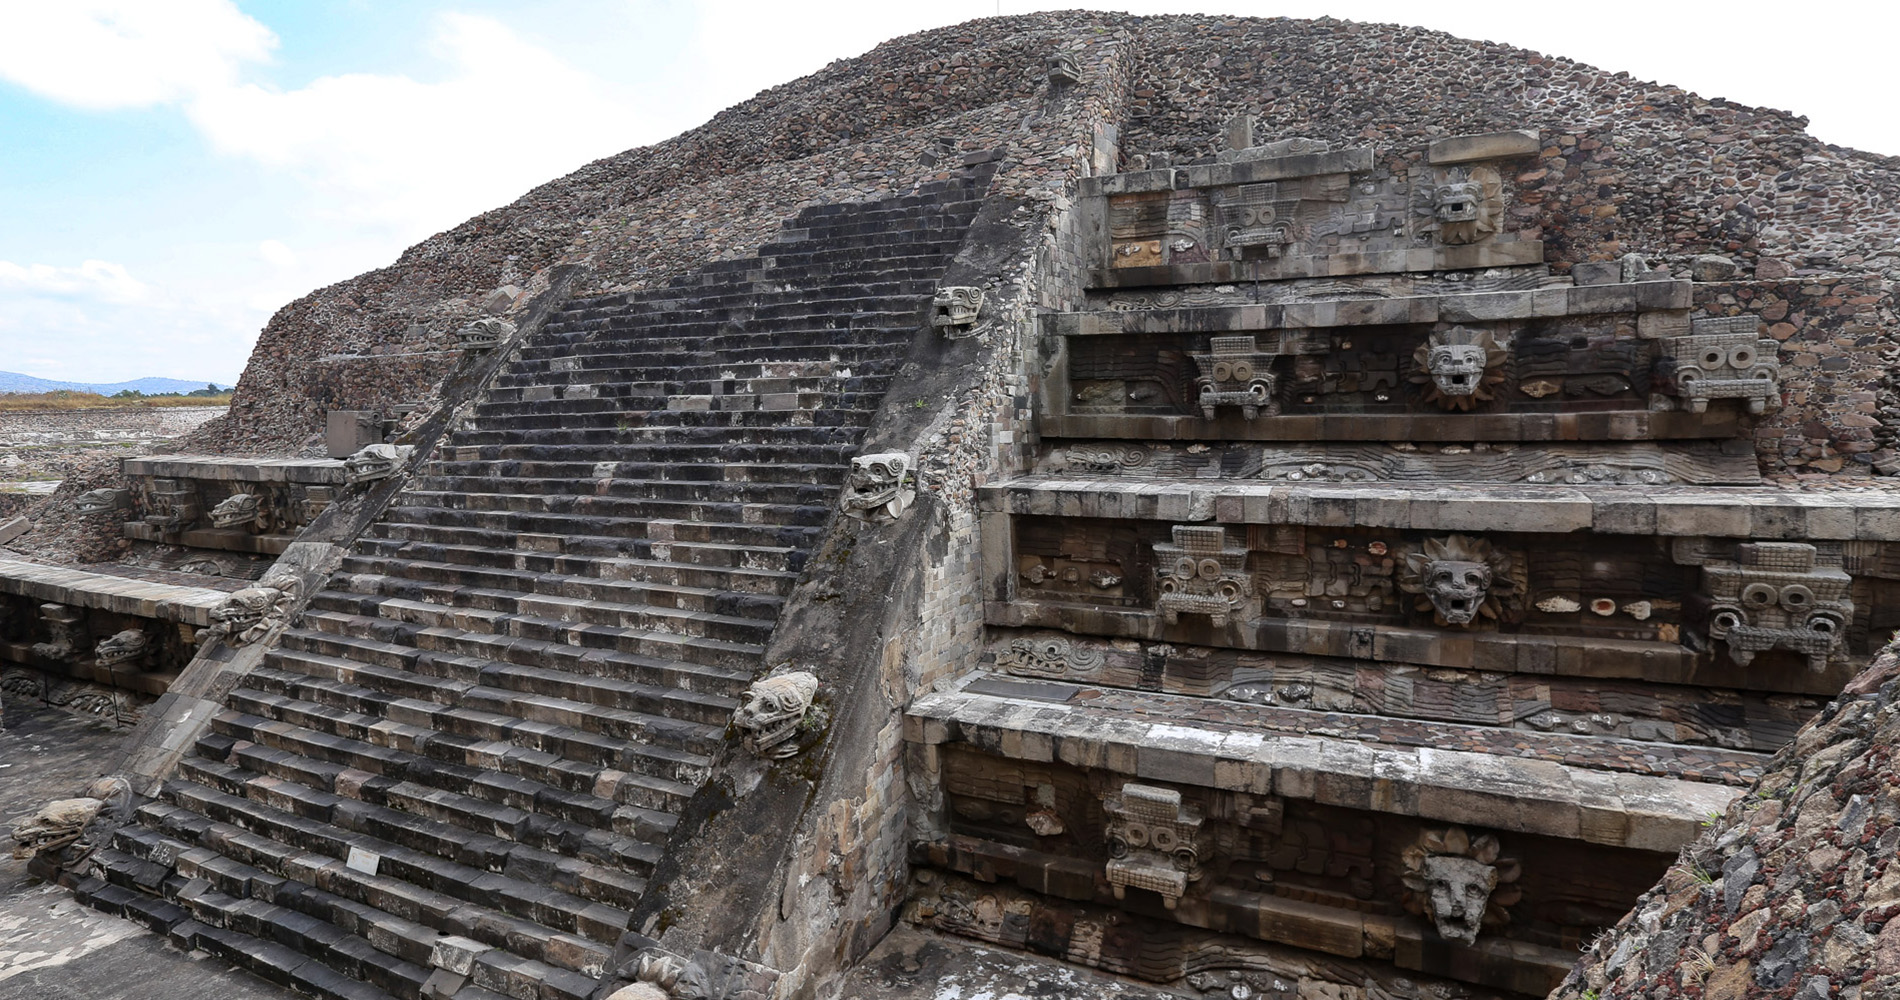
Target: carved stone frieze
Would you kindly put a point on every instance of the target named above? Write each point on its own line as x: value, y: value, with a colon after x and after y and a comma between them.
x: 172, y: 505
x: 79, y: 824
x: 1726, y: 358
x: 957, y: 311
x: 1460, y: 367
x: 1201, y: 574
x: 65, y: 632
x: 1461, y: 205
x: 1461, y: 580
x: 248, y: 614
x: 774, y: 709
x: 1153, y: 842
x: 375, y: 461
x: 1459, y: 882
x: 1062, y: 69
x: 1051, y: 656
x: 660, y: 974
x: 236, y: 510
x: 1234, y: 372
x: 103, y: 501
x: 1773, y: 595
x: 484, y: 334
x: 880, y: 487
x: 127, y: 646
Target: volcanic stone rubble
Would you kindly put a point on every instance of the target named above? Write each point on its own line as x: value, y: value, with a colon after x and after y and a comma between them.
x: 1346, y: 562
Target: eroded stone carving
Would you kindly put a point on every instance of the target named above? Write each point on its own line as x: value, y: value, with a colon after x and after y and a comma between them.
x: 1459, y: 882
x: 1062, y: 69
x: 172, y: 506
x: 375, y: 461
x: 659, y: 974
x: 128, y: 646
x: 1050, y: 656
x: 102, y: 502
x: 73, y: 823
x: 880, y: 487
x: 1256, y: 215
x: 1460, y: 579
x: 957, y: 311
x: 1773, y: 596
x: 775, y: 707
x: 1234, y: 372
x: 484, y: 334
x: 64, y: 635
x: 1726, y: 359
x: 248, y: 614
x: 1152, y: 842
x: 1463, y: 205
x: 236, y: 509
x: 1201, y: 575
x: 1459, y: 367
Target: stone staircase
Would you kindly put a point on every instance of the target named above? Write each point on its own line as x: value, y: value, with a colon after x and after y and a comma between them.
x: 455, y: 773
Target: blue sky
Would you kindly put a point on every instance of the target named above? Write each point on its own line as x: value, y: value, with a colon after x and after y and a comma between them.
x: 173, y: 171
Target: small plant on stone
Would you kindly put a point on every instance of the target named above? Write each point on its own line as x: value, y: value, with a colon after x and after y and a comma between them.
x: 1701, y: 875
x: 1592, y: 994
x: 1700, y: 964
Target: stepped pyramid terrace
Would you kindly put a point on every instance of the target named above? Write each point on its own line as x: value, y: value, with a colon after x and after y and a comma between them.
x: 1079, y: 503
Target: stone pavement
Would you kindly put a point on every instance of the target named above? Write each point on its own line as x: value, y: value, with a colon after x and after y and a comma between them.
x: 52, y: 948
x: 917, y: 965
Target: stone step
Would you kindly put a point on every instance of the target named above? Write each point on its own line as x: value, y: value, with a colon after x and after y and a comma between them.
x: 419, y: 539
x: 589, y: 504
x: 505, y: 528
x: 290, y: 945
x: 496, y: 439
x: 609, y: 465
x: 468, y: 734
x: 582, y: 414
x: 615, y: 484
x: 501, y: 772
x: 496, y: 611
x: 404, y: 911
x: 451, y: 585
x: 733, y: 656
x: 670, y: 716
x: 736, y: 579
x: 493, y: 792
x: 737, y: 291
x: 562, y: 656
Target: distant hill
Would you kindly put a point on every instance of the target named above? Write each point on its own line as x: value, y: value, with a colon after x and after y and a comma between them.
x: 16, y: 382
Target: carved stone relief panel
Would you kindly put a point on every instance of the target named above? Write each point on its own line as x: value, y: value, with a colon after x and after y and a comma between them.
x: 1543, y: 366
x: 1621, y: 464
x: 1459, y: 882
x: 1202, y: 574
x: 1234, y: 372
x: 1778, y: 596
x: 1458, y: 206
x: 1152, y: 841
x: 880, y: 487
x: 1725, y: 358
x: 1461, y: 580
x: 172, y: 505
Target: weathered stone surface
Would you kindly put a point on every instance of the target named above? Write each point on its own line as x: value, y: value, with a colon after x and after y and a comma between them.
x: 1489, y: 146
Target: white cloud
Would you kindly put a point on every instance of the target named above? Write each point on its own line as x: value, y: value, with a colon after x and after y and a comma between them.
x: 421, y: 156
x: 278, y: 255
x: 104, y: 54
x: 94, y: 279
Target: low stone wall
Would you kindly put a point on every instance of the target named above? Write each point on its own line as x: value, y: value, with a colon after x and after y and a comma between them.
x: 132, y: 423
